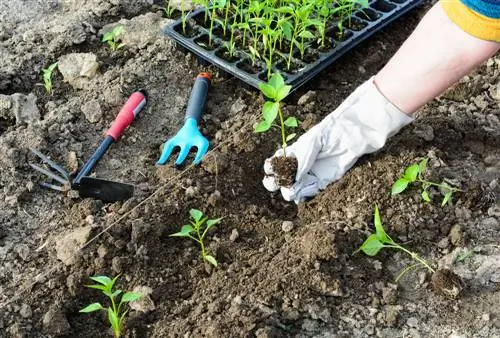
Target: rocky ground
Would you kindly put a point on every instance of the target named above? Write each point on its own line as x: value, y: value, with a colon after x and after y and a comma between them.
x: 284, y: 271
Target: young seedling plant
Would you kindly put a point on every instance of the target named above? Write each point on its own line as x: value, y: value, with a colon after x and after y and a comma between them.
x: 116, y: 313
x: 47, y: 77
x: 196, y: 230
x: 380, y: 239
x: 111, y: 38
x: 276, y: 90
x: 415, y: 174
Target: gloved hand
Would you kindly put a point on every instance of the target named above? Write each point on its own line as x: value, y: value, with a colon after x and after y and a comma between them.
x: 360, y: 125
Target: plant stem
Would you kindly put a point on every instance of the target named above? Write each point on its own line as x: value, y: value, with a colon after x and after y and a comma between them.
x: 438, y: 185
x: 283, y: 136
x: 414, y: 256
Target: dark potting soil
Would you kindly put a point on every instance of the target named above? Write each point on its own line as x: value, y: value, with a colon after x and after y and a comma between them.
x: 285, y: 169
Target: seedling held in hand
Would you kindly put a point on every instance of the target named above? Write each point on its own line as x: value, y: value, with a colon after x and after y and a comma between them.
x: 116, y: 315
x: 276, y: 91
x: 111, y: 38
x: 379, y: 240
x: 47, y: 77
x: 197, y: 229
x: 415, y: 173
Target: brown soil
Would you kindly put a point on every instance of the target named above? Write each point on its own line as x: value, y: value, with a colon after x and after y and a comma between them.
x: 285, y: 169
x: 284, y: 271
x: 446, y: 283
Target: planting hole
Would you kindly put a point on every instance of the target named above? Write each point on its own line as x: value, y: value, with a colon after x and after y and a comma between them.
x: 246, y: 65
x: 199, y: 19
x: 383, y: 6
x: 204, y: 42
x: 369, y: 14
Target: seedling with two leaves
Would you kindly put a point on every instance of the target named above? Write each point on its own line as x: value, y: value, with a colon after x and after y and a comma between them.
x: 380, y: 239
x: 47, y: 77
x: 116, y: 315
x: 276, y: 90
x: 415, y: 173
x: 196, y: 230
x: 112, y: 38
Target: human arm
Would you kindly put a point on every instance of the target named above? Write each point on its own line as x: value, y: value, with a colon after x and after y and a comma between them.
x: 436, y: 55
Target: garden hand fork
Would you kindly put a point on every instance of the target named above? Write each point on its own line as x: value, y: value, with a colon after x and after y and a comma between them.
x: 105, y: 190
x: 189, y: 136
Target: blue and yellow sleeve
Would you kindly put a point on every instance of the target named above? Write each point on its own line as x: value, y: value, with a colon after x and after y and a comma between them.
x: 480, y: 18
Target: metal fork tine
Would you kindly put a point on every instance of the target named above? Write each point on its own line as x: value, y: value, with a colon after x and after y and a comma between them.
x: 49, y: 173
x: 54, y: 187
x: 51, y: 163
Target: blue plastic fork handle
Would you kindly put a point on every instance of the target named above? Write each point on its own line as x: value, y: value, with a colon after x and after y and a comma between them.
x: 198, y: 96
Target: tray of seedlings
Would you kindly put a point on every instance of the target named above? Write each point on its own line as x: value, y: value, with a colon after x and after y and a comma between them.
x: 298, y: 38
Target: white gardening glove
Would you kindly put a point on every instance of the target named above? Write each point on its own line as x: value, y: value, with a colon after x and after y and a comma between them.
x: 360, y: 125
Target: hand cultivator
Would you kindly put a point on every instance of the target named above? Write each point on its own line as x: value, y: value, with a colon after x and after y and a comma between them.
x: 108, y: 191
x: 189, y: 136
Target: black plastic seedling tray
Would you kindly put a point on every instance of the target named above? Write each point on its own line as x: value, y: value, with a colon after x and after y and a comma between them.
x: 367, y: 21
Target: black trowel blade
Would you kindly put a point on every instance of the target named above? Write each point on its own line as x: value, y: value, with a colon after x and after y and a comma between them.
x: 104, y: 190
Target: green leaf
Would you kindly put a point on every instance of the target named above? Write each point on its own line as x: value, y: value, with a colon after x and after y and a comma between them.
x: 117, y: 30
x: 114, y: 321
x: 196, y: 214
x: 379, y: 229
x: 290, y: 137
x: 446, y: 199
x: 276, y: 81
x: 371, y: 245
x: 262, y: 127
x: 92, y: 308
x: 104, y: 280
x: 283, y: 92
x: 116, y: 293
x: 98, y: 287
x: 211, y: 222
x: 130, y: 297
x: 425, y: 196
x: 270, y: 111
x: 399, y: 186
x: 411, y: 172
x: 211, y: 260
x: 423, y: 166
x: 291, y: 122
x: 185, y: 231
x: 286, y: 27
x: 306, y: 35
x: 268, y: 90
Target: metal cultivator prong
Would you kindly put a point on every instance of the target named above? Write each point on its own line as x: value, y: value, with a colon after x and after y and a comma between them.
x: 65, y: 179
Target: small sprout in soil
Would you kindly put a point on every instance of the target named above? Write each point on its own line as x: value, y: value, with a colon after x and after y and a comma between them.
x: 444, y: 281
x: 116, y: 313
x: 47, y: 77
x: 111, y: 38
x: 415, y: 173
x: 168, y: 9
x: 375, y: 242
x: 276, y: 90
x: 196, y: 230
x: 463, y: 256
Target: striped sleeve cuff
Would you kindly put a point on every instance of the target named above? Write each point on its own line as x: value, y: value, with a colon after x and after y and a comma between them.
x: 472, y: 22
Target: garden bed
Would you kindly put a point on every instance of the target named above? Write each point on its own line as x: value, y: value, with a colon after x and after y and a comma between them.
x: 284, y: 271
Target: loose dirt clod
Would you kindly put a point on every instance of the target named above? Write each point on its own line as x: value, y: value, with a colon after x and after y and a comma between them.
x: 446, y: 283
x: 285, y: 169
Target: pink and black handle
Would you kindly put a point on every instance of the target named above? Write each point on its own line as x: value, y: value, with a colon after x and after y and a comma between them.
x: 136, y: 102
